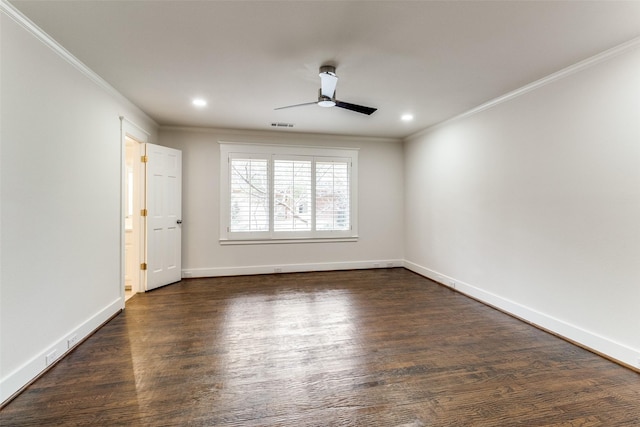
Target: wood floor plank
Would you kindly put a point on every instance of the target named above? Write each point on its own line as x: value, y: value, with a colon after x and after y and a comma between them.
x: 354, y: 348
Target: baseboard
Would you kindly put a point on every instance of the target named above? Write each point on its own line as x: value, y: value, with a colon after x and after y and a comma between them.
x: 14, y: 382
x: 289, y: 268
x: 596, y: 343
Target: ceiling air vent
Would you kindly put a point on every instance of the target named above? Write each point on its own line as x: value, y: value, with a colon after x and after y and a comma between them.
x: 282, y: 125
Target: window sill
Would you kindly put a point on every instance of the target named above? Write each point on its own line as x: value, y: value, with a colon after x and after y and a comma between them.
x: 281, y: 241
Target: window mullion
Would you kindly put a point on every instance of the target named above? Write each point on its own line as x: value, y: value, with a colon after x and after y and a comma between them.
x: 229, y: 191
x: 313, y: 195
x: 271, y: 186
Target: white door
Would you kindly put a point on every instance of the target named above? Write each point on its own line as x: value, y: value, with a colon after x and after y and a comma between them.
x: 164, y: 213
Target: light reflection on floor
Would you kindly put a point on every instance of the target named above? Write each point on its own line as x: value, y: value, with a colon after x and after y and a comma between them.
x: 267, y: 335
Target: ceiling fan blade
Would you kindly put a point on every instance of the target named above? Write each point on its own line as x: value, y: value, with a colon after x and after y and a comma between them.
x: 357, y: 108
x: 328, y: 82
x: 297, y: 105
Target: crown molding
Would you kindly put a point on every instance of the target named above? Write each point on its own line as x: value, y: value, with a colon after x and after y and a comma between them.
x: 17, y: 16
x: 277, y: 135
x: 565, y: 72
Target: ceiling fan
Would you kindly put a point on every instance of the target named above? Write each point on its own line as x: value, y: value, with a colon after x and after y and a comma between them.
x: 327, y: 94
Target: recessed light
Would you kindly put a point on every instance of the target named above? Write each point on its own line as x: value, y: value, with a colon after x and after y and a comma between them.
x: 406, y: 117
x: 199, y: 102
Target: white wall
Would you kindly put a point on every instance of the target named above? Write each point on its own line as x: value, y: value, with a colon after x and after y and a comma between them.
x: 380, y: 198
x: 534, y: 205
x: 60, y: 204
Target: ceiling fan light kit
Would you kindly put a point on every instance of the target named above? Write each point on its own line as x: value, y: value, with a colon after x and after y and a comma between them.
x: 325, y: 101
x: 327, y: 94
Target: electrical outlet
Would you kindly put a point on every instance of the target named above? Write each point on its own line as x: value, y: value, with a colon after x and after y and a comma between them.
x: 376, y: 265
x: 51, y: 357
x: 389, y: 265
x: 72, y: 340
x: 187, y: 274
x: 277, y: 270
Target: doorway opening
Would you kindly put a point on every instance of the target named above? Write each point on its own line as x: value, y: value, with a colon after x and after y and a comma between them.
x: 133, y: 227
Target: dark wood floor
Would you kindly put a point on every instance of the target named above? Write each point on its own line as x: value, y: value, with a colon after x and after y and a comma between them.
x: 354, y: 348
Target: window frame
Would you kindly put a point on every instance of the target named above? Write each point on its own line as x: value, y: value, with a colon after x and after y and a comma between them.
x: 272, y: 152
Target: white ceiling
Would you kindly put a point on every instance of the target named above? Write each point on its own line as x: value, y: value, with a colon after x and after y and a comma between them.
x: 435, y: 59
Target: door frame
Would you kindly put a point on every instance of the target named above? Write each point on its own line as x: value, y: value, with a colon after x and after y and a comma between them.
x: 131, y: 130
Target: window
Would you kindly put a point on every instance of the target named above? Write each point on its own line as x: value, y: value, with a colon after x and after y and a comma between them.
x: 249, y: 195
x: 272, y: 193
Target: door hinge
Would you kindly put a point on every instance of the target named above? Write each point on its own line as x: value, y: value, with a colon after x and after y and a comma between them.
x: 144, y: 159
x: 143, y: 212
x: 143, y: 266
